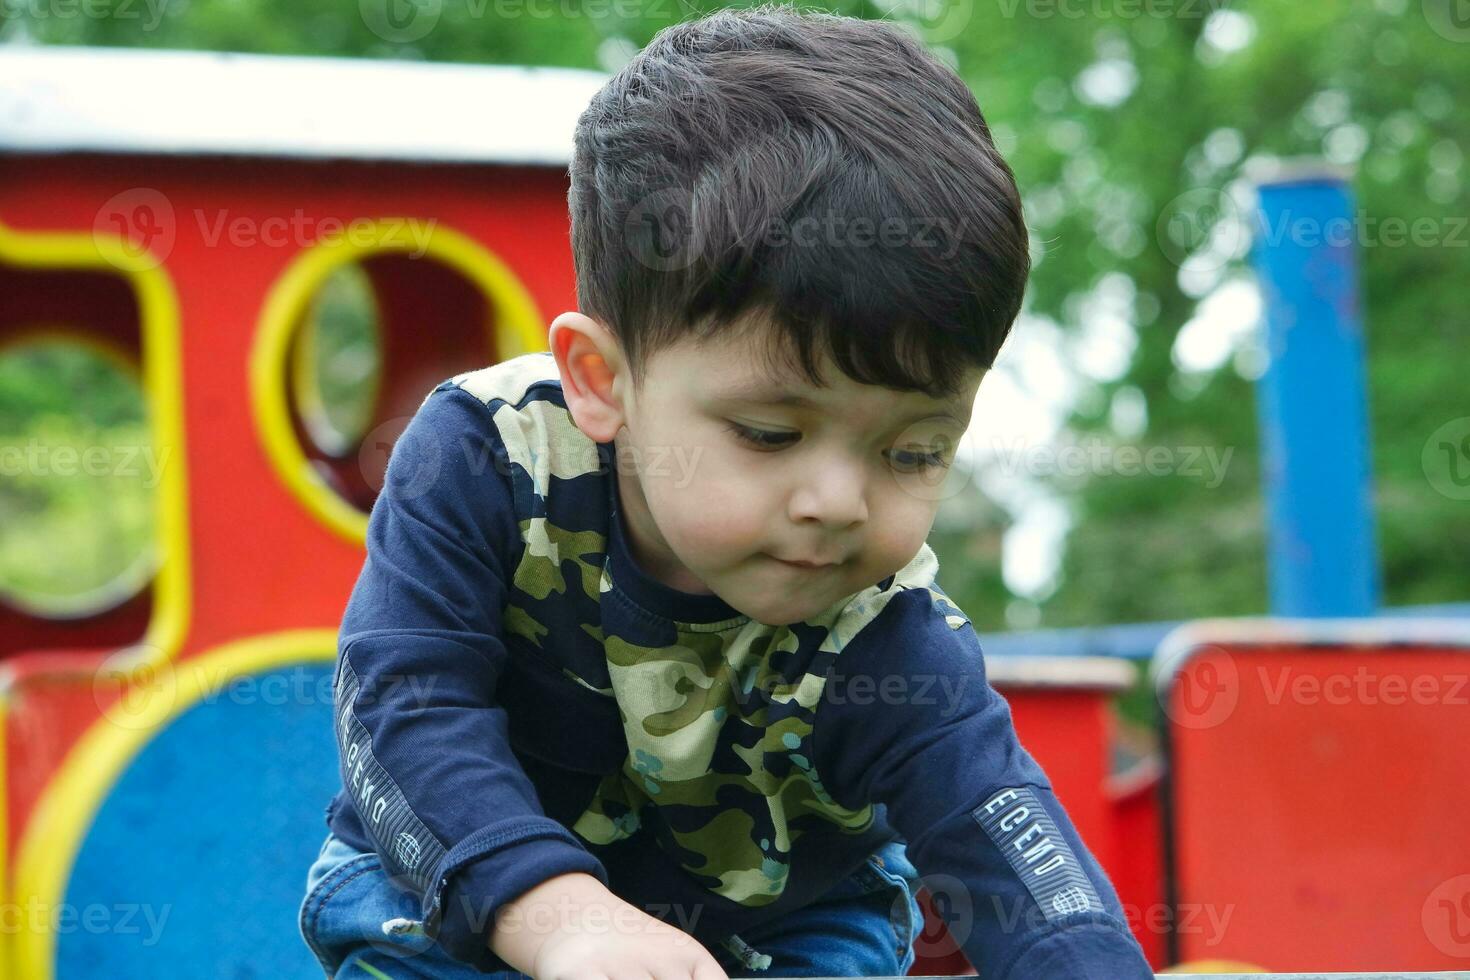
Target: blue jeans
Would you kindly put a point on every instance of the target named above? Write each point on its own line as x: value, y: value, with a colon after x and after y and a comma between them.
x: 361, y: 927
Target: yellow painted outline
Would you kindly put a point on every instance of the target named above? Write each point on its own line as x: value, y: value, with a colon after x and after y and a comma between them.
x: 65, y: 811
x: 518, y: 331
x: 161, y: 372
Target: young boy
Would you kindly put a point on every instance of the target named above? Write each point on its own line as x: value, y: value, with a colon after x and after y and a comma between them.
x: 647, y: 673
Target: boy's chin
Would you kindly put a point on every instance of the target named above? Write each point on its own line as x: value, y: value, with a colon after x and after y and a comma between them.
x: 777, y: 610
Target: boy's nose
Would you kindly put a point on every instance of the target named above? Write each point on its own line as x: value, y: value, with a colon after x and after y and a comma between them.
x: 833, y: 496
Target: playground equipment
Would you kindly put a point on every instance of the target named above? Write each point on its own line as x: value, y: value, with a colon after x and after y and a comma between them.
x: 148, y: 744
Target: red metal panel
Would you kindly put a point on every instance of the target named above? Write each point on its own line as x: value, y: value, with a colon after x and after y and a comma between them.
x: 1320, y: 793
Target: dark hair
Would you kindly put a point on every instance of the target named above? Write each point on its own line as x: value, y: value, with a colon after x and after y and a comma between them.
x: 699, y: 164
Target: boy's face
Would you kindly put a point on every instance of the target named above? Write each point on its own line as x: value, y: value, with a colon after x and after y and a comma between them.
x: 776, y: 495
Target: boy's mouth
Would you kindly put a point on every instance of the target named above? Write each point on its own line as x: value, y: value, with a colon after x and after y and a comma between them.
x: 811, y: 565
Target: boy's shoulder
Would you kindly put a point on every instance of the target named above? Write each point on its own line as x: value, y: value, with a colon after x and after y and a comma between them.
x: 512, y: 381
x: 907, y: 607
x: 529, y: 418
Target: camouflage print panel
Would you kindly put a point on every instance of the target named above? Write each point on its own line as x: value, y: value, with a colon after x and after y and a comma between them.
x: 718, y: 717
x: 719, y: 726
x: 559, y: 490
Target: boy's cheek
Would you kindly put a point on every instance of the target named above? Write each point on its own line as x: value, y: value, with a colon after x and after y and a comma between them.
x: 712, y: 530
x: 898, y: 533
x: 703, y: 481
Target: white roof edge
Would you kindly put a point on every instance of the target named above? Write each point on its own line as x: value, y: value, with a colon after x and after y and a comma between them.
x: 1180, y: 644
x: 128, y: 100
x: 1021, y: 671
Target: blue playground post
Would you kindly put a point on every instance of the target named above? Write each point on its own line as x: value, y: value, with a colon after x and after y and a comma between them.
x: 1322, y: 553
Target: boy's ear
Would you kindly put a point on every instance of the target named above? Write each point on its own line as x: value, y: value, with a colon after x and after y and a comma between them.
x: 590, y: 363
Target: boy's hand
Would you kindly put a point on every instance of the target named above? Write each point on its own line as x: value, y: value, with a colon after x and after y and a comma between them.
x: 572, y: 927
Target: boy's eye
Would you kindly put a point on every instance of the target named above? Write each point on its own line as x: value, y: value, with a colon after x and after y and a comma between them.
x: 764, y: 438
x: 912, y: 461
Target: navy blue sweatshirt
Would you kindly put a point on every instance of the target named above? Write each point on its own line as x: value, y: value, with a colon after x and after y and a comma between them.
x: 516, y: 699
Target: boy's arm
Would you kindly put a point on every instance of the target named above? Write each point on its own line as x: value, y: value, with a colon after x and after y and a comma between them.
x: 1025, y: 899
x: 423, y: 742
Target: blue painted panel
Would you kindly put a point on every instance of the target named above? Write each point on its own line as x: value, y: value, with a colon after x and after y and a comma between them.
x: 1312, y: 405
x: 196, y: 862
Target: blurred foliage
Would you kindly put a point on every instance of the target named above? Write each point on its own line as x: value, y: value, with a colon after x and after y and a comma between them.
x: 76, y: 498
x: 343, y: 361
x: 1109, y: 111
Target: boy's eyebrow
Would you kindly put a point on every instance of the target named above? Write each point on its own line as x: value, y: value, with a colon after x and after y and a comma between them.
x: 763, y: 394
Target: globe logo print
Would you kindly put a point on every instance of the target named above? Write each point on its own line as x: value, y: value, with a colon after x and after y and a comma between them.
x: 406, y: 850
x: 1070, y: 899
